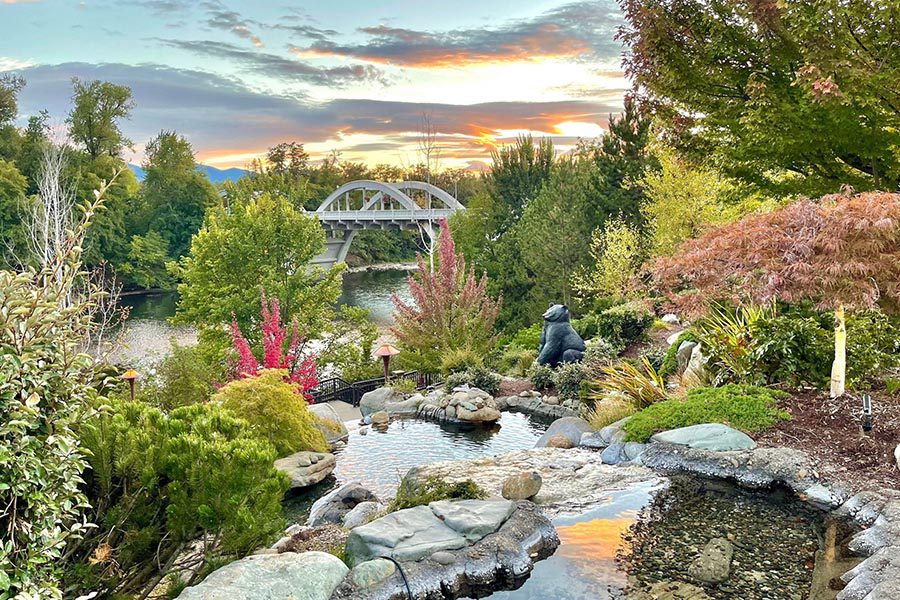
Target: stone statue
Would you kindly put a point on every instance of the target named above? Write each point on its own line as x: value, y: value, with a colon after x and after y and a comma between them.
x: 560, y: 343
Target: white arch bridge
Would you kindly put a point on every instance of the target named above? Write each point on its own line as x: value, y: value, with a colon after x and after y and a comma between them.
x: 367, y: 204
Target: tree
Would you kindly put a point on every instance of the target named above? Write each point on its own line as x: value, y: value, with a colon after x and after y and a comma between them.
x: 451, y: 309
x: 518, y: 174
x: 616, y: 256
x: 175, y: 195
x: 98, y: 106
x: 10, y: 86
x: 840, y: 252
x: 288, y: 157
x: 146, y: 264
x: 264, y: 244
x: 13, y: 241
x: 789, y: 95
x: 107, y: 239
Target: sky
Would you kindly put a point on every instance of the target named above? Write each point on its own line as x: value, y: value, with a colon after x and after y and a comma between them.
x: 354, y: 76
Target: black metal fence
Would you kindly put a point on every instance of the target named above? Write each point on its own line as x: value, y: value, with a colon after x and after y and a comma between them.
x: 336, y: 388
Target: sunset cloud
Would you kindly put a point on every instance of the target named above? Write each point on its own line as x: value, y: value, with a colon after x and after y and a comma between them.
x: 228, y: 20
x: 583, y: 30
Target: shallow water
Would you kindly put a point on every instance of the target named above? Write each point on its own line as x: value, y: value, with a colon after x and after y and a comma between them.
x: 372, y: 290
x: 379, y: 460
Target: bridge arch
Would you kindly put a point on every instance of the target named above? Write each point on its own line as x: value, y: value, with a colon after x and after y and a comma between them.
x: 369, y: 204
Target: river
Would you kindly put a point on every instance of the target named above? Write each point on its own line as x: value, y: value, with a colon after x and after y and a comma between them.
x: 148, y: 334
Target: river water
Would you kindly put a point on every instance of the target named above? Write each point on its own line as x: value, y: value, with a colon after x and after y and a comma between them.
x: 148, y: 334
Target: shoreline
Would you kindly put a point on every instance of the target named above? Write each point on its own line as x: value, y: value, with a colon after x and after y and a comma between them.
x: 408, y: 266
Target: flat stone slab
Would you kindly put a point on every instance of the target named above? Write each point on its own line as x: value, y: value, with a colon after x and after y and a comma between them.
x: 306, y: 468
x: 708, y: 436
x: 286, y: 576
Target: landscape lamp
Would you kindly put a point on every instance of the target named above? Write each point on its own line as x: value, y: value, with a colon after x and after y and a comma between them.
x: 386, y: 351
x: 867, y: 412
x: 130, y: 375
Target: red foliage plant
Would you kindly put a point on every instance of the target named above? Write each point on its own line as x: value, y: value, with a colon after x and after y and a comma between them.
x: 839, y: 250
x: 301, y: 370
x: 451, y: 308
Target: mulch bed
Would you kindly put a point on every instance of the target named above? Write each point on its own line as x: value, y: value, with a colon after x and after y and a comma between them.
x: 512, y: 387
x: 830, y: 432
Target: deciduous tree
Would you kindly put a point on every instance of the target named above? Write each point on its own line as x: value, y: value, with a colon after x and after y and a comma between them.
x: 98, y: 107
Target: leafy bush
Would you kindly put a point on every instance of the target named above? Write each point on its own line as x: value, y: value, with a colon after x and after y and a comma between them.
x: 516, y: 361
x: 642, y: 386
x: 892, y: 385
x: 183, y: 377
x: 528, y: 338
x: 748, y: 408
x: 541, y: 376
x: 598, y: 355
x: 404, y: 386
x: 728, y: 337
x: 620, y: 324
x: 608, y: 411
x: 670, y: 361
x: 479, y: 377
x: 568, y: 379
x: 158, y: 482
x: 873, y: 345
x: 458, y: 360
x: 432, y: 490
x: 275, y: 411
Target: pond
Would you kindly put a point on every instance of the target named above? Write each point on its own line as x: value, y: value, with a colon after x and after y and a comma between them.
x: 379, y: 460
x: 148, y: 332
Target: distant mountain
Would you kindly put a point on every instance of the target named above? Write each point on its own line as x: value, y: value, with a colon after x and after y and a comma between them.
x: 215, y: 175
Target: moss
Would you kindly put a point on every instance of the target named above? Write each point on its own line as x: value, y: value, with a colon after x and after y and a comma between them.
x: 275, y: 411
x: 747, y: 408
x: 432, y: 490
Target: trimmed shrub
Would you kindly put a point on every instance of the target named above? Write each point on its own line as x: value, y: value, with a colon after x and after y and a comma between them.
x: 432, y: 490
x: 620, y: 324
x: 528, y: 338
x: 541, y: 376
x: 479, y: 377
x: 568, y: 379
x: 275, y: 411
x: 747, y: 408
x: 458, y: 360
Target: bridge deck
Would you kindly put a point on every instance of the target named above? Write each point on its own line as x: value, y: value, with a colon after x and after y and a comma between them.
x: 435, y: 214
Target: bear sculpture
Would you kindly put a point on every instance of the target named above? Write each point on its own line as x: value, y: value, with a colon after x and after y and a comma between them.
x: 560, y: 343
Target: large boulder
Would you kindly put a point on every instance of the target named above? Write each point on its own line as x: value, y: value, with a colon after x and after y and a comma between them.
x: 708, y: 436
x: 414, y: 533
x: 306, y: 468
x: 334, y: 506
x: 523, y: 486
x: 683, y: 355
x: 329, y: 423
x: 362, y: 513
x: 463, y: 405
x: 286, y: 576
x: 696, y: 370
x: 570, y: 427
x: 389, y: 400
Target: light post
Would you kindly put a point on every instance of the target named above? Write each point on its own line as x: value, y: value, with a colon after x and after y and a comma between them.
x: 386, y: 351
x: 130, y: 376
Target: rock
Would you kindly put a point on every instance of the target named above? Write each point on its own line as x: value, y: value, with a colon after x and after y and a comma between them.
x: 287, y: 576
x: 670, y: 590
x: 486, y: 414
x: 897, y: 455
x: 559, y: 441
x: 714, y: 563
x: 372, y: 572
x: 363, y: 431
x: 536, y: 407
x: 593, y: 439
x: 329, y: 423
x: 821, y: 496
x: 380, y: 418
x: 614, y: 454
x: 332, y: 507
x: 673, y: 338
x: 306, y: 468
x: 683, y: 356
x: 362, y: 513
x: 634, y: 449
x: 523, y: 486
x: 525, y: 394
x: 552, y: 400
x: 696, y: 367
x: 390, y: 401
x: 611, y: 432
x: 569, y: 427
x: 499, y: 560
x: 670, y: 318
x: 414, y: 533
x: 709, y: 436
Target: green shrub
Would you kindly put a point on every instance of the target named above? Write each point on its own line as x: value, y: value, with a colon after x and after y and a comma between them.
x: 541, y: 376
x: 640, y: 385
x: 459, y: 360
x: 873, y: 345
x: 568, y: 379
x: 158, y: 482
x: 516, y: 361
x: 432, y: 490
x: 892, y: 385
x: 275, y: 411
x: 747, y: 408
x: 528, y: 338
x: 479, y: 377
x: 620, y: 324
x: 729, y: 338
x: 183, y: 377
x: 404, y: 386
x: 655, y: 356
x: 669, y: 364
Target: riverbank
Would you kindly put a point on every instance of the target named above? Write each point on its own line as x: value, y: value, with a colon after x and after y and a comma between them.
x: 377, y: 267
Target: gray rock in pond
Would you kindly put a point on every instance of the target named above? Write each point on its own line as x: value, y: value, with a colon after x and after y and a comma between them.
x: 523, y: 486
x: 613, y: 430
x: 593, y: 439
x: 287, y: 576
x: 614, y: 454
x: 708, y: 436
x: 306, y: 468
x: 362, y: 513
x: 372, y: 572
x: 570, y: 427
x: 634, y: 449
x: 714, y: 563
x: 332, y: 507
x: 823, y: 497
x: 329, y: 423
x: 683, y: 356
x: 414, y: 533
x: 380, y: 418
x: 389, y: 400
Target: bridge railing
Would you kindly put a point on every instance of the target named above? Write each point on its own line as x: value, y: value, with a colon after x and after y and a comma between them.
x: 336, y: 388
x: 434, y: 214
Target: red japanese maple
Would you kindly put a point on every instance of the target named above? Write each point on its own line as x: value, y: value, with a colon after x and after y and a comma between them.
x: 301, y: 370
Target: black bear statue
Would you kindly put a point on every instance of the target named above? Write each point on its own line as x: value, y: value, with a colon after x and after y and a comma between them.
x: 560, y: 343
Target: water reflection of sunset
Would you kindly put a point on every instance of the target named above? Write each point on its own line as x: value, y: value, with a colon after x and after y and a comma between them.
x: 599, y: 539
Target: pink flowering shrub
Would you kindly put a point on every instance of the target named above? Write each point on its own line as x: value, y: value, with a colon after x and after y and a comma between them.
x: 301, y: 370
